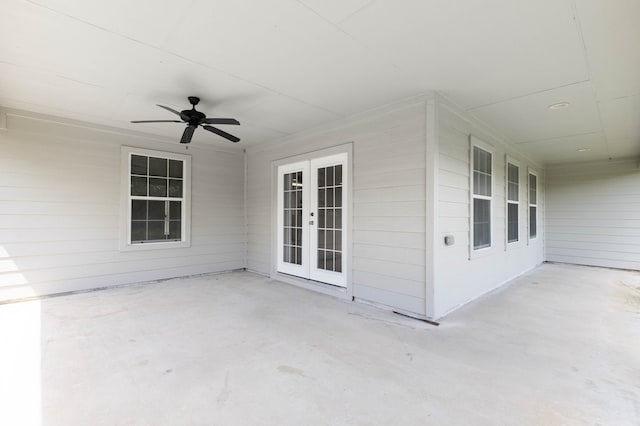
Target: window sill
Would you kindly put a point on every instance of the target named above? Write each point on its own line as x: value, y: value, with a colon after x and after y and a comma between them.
x: 514, y: 245
x: 154, y: 246
x: 480, y: 253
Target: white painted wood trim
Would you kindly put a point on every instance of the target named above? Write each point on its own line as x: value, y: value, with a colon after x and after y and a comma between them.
x: 530, y: 240
x: 432, y: 171
x: 346, y: 148
x: 474, y: 141
x: 340, y: 123
x: 510, y: 160
x: 289, y: 268
x: 125, y: 213
x: 316, y: 274
x: 105, y: 129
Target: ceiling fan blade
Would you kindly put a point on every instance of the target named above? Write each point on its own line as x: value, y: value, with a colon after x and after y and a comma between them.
x: 220, y: 121
x: 188, y: 134
x: 170, y: 110
x: 156, y: 121
x: 222, y: 133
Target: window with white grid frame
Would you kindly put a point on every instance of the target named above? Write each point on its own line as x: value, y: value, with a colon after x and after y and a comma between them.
x: 513, y: 201
x: 157, y: 198
x: 482, y: 176
x: 533, y: 205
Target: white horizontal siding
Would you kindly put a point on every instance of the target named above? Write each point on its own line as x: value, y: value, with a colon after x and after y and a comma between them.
x: 459, y: 278
x: 414, y: 240
x: 59, y: 210
x: 593, y: 212
x: 114, y: 278
x: 388, y: 259
x: 392, y: 298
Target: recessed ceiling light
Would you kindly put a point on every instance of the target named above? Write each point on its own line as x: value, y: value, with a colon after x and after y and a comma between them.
x: 559, y: 105
x: 583, y: 149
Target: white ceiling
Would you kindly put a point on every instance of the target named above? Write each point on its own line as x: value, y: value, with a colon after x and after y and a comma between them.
x: 283, y: 66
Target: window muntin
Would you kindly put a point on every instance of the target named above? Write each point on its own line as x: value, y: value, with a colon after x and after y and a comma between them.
x: 482, y: 173
x: 533, y: 206
x: 513, y: 204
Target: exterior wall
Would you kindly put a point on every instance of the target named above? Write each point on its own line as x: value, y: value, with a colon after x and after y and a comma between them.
x: 388, y: 216
x: 459, y: 277
x: 60, y: 206
x: 593, y: 214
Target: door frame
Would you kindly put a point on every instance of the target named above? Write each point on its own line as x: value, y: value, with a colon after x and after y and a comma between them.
x: 341, y: 292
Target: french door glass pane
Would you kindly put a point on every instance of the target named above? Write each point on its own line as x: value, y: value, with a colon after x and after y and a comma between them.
x: 329, y: 256
x: 321, y: 259
x: 292, y: 218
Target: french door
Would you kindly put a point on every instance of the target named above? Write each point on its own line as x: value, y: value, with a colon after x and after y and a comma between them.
x: 312, y: 219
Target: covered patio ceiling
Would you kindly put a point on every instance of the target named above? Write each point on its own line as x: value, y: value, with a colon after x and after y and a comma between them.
x: 284, y: 66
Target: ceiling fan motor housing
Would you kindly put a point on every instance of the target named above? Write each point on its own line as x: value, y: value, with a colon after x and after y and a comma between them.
x: 192, y: 116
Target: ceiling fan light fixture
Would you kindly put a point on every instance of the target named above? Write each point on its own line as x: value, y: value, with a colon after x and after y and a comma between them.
x: 559, y: 105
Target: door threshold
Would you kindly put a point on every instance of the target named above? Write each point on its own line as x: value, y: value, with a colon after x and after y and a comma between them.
x: 320, y: 287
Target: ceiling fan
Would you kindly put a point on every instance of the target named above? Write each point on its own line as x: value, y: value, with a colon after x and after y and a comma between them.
x: 194, y: 119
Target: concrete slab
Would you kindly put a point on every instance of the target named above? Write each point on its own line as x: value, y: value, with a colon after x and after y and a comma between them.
x: 560, y: 345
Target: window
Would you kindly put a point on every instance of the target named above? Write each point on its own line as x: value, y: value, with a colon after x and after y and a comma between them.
x: 156, y: 185
x: 482, y: 171
x: 533, y: 205
x: 513, y: 204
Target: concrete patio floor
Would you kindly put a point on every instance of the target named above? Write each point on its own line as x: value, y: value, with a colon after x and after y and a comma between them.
x: 559, y: 346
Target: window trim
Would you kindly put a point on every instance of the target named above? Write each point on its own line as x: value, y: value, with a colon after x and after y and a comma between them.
x: 473, y: 252
x: 125, y: 200
x: 510, y: 160
x: 533, y: 172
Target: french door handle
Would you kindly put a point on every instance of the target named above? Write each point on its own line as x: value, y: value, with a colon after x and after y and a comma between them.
x: 310, y: 222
